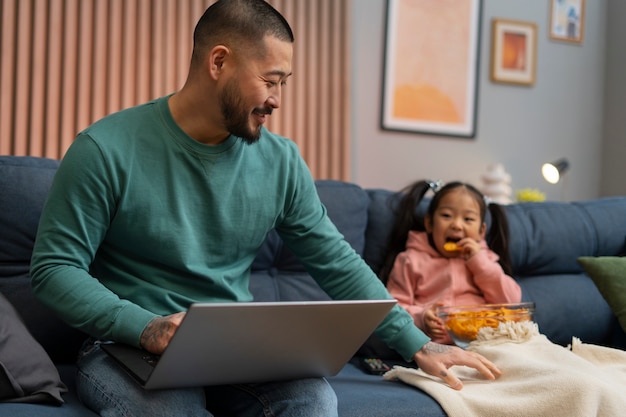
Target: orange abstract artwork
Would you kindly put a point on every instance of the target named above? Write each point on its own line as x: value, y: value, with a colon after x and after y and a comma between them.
x: 514, y: 51
x: 424, y: 102
x: 436, y: 92
x: 431, y: 66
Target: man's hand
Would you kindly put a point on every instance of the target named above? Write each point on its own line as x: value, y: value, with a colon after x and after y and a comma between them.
x: 435, y: 359
x: 158, y: 333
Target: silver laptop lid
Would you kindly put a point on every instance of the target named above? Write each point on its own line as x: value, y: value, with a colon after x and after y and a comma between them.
x: 226, y: 343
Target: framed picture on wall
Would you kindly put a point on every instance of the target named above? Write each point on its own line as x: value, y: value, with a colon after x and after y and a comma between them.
x: 513, y: 51
x: 567, y: 18
x: 431, y: 62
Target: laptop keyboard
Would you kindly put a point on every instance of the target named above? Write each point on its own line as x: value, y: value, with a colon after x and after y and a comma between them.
x: 150, y: 359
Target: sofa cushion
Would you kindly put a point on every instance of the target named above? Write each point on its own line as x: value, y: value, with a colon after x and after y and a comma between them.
x: 379, y: 221
x: 609, y: 275
x: 547, y: 237
x: 347, y: 206
x: 606, y: 217
x: 380, y: 216
x: 27, y: 374
x: 364, y: 395
x: 24, y: 185
x: 568, y: 305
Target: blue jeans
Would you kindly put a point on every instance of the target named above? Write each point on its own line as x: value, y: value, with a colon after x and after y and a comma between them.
x: 108, y: 390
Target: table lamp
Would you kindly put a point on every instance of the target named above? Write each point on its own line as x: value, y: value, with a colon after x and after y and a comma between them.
x: 553, y: 171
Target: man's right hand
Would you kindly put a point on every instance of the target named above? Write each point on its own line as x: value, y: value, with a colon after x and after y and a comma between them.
x: 159, y: 331
x: 435, y: 359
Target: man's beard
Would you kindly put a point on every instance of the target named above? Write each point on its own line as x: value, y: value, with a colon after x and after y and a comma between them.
x: 236, y: 118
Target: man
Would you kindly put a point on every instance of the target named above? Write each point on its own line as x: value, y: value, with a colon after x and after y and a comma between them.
x: 166, y: 204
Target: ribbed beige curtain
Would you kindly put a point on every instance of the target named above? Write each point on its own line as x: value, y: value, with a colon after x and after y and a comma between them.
x: 66, y: 63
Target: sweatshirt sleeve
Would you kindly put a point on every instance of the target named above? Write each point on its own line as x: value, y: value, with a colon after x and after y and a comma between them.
x: 310, y: 234
x: 496, y: 286
x: 402, y: 284
x: 75, y: 218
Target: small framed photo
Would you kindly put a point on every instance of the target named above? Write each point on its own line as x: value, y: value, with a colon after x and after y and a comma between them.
x: 513, y: 51
x: 567, y: 18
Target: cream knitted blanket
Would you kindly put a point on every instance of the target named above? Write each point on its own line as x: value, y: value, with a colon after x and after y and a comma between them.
x: 539, y: 378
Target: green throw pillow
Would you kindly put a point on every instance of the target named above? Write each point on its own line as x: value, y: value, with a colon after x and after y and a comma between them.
x: 609, y: 275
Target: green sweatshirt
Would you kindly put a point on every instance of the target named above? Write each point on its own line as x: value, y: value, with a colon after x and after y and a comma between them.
x: 142, y: 220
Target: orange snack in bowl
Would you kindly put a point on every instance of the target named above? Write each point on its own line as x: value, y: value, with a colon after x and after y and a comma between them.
x: 466, y: 324
x: 451, y: 246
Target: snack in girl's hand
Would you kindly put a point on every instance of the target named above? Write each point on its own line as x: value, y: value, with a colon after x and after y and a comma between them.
x: 451, y: 247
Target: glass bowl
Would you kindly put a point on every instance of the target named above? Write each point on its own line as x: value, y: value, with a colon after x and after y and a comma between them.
x: 464, y: 322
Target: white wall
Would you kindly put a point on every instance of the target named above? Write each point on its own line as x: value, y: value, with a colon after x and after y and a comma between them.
x: 520, y: 127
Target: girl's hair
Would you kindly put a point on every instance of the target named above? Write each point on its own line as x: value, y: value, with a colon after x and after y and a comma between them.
x: 407, y: 218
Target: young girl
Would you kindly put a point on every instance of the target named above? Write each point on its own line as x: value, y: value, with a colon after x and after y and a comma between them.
x: 445, y: 260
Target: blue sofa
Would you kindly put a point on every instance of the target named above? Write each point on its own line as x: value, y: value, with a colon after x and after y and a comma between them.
x: 546, y: 239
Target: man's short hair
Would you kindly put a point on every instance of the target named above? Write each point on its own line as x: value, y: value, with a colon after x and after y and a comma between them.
x: 239, y: 24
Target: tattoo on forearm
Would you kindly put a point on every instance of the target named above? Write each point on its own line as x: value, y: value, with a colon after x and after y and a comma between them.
x: 154, y: 331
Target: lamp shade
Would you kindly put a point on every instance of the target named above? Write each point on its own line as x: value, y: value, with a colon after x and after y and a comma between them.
x: 553, y: 171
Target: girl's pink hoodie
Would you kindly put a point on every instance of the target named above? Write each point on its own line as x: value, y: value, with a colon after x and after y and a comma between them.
x: 421, y: 276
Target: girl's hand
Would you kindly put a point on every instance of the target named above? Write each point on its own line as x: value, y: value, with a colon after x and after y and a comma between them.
x: 433, y: 325
x: 469, y: 247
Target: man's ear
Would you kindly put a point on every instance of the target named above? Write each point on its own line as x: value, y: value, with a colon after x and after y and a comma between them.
x: 428, y: 223
x: 216, y: 60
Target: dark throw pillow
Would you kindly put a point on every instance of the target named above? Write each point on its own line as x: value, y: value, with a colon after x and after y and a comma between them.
x: 27, y: 373
x: 609, y: 275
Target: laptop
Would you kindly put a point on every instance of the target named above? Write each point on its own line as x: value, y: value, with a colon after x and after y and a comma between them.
x: 230, y: 343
